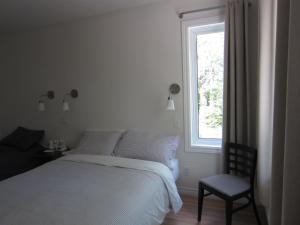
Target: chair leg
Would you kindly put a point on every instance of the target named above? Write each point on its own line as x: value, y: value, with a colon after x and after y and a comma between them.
x: 228, y: 212
x: 200, y: 201
x: 255, y: 208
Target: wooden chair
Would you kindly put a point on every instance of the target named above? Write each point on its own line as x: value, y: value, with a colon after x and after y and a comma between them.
x: 237, y: 183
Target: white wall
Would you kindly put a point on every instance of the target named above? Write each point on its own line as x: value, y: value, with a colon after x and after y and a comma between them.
x: 121, y: 63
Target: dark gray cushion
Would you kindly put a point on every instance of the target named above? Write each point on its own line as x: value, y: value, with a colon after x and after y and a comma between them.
x: 227, y: 184
x: 144, y: 145
x: 23, y: 138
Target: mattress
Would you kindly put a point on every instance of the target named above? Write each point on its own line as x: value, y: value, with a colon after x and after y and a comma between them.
x: 93, y: 190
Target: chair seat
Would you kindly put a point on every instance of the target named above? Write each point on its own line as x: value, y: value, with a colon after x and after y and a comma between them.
x: 227, y: 184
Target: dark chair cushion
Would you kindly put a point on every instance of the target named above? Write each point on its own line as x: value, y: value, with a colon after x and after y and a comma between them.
x: 23, y: 138
x: 227, y: 184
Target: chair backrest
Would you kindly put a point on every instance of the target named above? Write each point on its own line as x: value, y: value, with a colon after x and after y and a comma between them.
x: 241, y: 161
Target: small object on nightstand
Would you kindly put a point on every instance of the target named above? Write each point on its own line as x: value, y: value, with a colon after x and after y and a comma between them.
x: 58, y: 145
x: 51, y: 145
x: 62, y: 145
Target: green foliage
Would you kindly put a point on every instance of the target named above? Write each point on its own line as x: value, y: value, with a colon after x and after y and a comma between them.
x: 210, y: 82
x: 214, y: 119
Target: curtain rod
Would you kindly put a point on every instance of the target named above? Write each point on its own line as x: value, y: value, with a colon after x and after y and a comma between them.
x: 204, y: 9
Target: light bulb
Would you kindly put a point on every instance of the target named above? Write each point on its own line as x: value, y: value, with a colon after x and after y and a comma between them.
x: 66, y: 106
x: 41, y: 106
x: 171, y: 104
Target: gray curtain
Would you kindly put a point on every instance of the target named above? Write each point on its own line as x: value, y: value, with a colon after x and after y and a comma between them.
x: 236, y: 124
x: 281, y: 70
x: 285, y: 181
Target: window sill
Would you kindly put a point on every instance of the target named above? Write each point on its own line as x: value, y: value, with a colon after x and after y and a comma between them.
x: 204, y: 149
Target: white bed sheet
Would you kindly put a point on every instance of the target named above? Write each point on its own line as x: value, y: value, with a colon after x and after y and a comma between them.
x: 89, y: 190
x: 175, y: 168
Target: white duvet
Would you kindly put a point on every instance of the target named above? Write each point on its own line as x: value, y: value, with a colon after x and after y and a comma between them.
x: 90, y: 190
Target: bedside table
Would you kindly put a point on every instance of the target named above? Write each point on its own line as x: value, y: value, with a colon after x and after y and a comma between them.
x: 48, y: 156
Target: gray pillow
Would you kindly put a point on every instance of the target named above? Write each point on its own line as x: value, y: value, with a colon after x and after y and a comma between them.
x: 23, y: 138
x: 98, y: 142
x: 148, y: 146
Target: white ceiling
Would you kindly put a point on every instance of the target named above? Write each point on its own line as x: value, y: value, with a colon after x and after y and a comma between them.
x: 28, y: 14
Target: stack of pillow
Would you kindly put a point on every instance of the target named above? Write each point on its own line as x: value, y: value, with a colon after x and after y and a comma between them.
x: 134, y: 144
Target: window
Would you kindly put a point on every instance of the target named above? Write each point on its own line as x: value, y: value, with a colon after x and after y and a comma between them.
x: 203, y: 45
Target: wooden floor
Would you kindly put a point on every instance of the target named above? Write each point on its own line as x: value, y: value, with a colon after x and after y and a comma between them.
x: 213, y: 214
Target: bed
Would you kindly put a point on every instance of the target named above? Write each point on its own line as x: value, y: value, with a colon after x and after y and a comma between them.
x: 18, y: 152
x: 83, y: 189
x: 14, y: 162
x: 175, y: 168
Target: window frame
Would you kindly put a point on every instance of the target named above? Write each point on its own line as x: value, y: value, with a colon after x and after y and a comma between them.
x: 187, y: 80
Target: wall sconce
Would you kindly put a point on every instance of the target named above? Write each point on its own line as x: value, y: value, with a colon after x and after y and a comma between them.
x: 73, y: 94
x: 41, y: 102
x: 174, y: 89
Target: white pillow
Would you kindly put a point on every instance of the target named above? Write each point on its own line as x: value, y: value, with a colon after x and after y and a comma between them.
x: 98, y: 142
x: 148, y: 146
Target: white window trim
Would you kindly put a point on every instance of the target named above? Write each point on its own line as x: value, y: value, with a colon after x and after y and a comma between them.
x: 185, y: 24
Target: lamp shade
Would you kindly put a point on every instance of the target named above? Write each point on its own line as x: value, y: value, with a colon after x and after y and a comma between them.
x: 66, y: 106
x: 170, y: 104
x: 41, y: 106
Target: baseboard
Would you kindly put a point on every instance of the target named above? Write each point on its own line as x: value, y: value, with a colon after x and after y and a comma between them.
x: 193, y: 192
x: 188, y: 191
